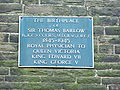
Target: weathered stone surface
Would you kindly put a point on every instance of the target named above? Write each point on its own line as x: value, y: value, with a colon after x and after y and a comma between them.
x: 115, y: 40
x: 106, y: 49
x: 105, y: 21
x: 11, y: 63
x: 111, y: 80
x: 51, y: 1
x: 84, y: 87
x: 70, y: 11
x: 22, y: 79
x: 6, y: 56
x: 12, y: 28
x: 4, y: 71
x: 98, y: 31
x: 9, y: 18
x: 8, y: 47
x: 39, y: 9
x: 14, y: 38
x: 109, y: 73
x: 30, y: 71
x: 105, y: 11
x: 30, y: 1
x: 4, y: 37
x: 10, y: 8
x: 55, y: 10
x: 112, y: 30
x: 9, y: 1
x: 103, y: 66
x: 88, y: 80
x: 107, y: 58
x: 117, y: 49
x: 58, y: 79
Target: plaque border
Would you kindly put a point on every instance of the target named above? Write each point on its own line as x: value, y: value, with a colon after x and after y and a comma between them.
x: 58, y: 67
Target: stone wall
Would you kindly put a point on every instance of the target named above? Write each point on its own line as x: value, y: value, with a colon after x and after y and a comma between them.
x: 105, y: 75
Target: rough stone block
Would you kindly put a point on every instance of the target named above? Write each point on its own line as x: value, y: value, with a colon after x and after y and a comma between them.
x: 109, y: 73
x: 4, y: 37
x: 88, y: 80
x: 30, y: 1
x: 8, y: 63
x: 29, y: 71
x: 12, y: 28
x: 108, y: 49
x: 107, y: 58
x: 70, y: 11
x: 103, y: 66
x: 98, y: 31
x: 55, y: 10
x: 51, y: 1
x: 14, y: 38
x: 39, y: 9
x: 84, y: 87
x: 105, y: 21
x: 58, y: 79
x: 61, y: 73
x: 5, y: 56
x: 1, y: 78
x: 115, y: 40
x: 105, y: 11
x: 4, y: 71
x: 30, y: 86
x: 8, y: 47
x: 112, y: 30
x: 9, y: 18
x: 73, y: 2
x: 22, y: 79
x: 117, y: 49
x: 111, y: 80
x: 84, y: 72
x: 10, y: 8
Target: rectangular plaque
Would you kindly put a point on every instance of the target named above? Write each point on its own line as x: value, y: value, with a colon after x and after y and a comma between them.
x: 56, y: 42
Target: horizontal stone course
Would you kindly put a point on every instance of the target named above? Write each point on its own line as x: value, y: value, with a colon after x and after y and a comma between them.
x: 84, y: 87
x: 104, y: 66
x: 5, y: 56
x: 115, y: 40
x: 88, y: 80
x: 112, y: 30
x: 12, y: 28
x: 9, y: 63
x: 8, y: 47
x: 105, y: 21
x: 10, y: 8
x: 55, y: 10
x: 22, y: 79
x: 9, y: 18
x: 109, y: 73
x: 107, y: 58
x: 111, y: 80
x: 58, y: 79
x: 30, y: 1
x: 105, y: 11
